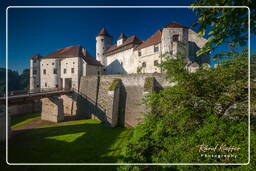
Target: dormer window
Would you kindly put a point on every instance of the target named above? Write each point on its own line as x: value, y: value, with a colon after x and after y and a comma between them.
x: 175, y: 37
x: 121, y: 39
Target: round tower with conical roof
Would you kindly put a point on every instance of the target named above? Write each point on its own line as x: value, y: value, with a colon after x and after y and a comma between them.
x: 103, y: 42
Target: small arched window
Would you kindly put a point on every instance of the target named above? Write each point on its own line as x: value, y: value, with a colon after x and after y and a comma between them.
x: 144, y: 64
x: 155, y: 62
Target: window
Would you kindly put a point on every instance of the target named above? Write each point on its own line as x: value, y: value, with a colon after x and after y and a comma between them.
x: 121, y: 63
x: 34, y: 61
x: 53, y: 63
x: 139, y: 53
x: 65, y: 71
x: 102, y: 40
x: 175, y: 37
x: 45, y: 84
x: 37, y: 86
x: 44, y: 71
x: 73, y: 62
x: 155, y: 62
x: 72, y: 70
x: 156, y: 48
x: 171, y: 52
x: 46, y: 64
x: 42, y: 64
x: 54, y: 71
x: 56, y: 85
x: 34, y: 72
x: 144, y: 64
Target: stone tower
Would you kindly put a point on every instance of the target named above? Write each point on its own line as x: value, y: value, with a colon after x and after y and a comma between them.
x: 103, y: 42
x: 175, y: 39
x: 34, y: 82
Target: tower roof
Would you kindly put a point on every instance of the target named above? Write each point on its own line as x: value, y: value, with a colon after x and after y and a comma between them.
x: 175, y: 25
x: 104, y: 32
x: 122, y: 36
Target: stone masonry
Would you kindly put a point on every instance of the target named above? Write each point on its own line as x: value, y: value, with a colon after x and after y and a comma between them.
x: 128, y: 105
x: 52, y: 109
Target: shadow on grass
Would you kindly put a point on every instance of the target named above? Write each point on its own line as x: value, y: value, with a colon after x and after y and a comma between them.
x: 82, y: 143
x: 17, y: 120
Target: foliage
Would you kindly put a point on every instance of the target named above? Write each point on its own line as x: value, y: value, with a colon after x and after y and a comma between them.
x: 15, y: 81
x: 24, y: 79
x: 114, y: 84
x: 227, y: 25
x: 196, y: 111
x: 139, y: 69
x: 149, y: 84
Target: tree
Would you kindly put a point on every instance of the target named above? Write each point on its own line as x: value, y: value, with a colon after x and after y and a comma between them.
x: 24, y: 80
x: 227, y: 26
x: 15, y: 81
x: 193, y: 112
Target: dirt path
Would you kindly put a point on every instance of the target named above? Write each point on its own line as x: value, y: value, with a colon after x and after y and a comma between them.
x: 32, y: 125
x: 38, y: 122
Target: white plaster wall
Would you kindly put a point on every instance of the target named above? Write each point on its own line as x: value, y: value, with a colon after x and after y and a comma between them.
x: 68, y: 64
x: 193, y: 37
x: 49, y: 78
x: 149, y: 56
x: 114, y: 62
x: 34, y: 79
x: 101, y: 46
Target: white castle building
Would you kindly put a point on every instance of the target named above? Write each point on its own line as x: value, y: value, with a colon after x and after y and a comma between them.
x: 61, y: 69
x: 64, y: 67
x: 131, y: 55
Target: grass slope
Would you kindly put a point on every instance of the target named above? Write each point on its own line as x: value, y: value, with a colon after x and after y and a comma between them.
x: 18, y: 120
x: 81, y: 141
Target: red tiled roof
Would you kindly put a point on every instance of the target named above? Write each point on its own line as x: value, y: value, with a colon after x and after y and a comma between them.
x: 154, y: 39
x: 131, y: 40
x: 74, y: 51
x: 71, y: 51
x: 90, y: 60
x: 122, y: 36
x: 37, y: 56
x: 175, y: 25
x: 104, y: 32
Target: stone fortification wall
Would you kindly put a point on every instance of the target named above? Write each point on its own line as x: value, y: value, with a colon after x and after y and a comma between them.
x: 119, y: 97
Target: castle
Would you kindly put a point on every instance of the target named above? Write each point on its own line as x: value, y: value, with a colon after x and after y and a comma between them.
x: 64, y: 67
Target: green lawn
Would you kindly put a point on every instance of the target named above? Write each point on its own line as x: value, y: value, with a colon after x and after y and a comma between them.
x: 18, y: 120
x: 80, y: 141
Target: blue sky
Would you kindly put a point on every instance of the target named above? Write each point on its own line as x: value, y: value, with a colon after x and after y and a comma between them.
x: 43, y: 31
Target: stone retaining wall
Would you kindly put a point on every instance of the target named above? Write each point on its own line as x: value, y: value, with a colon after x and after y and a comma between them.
x: 128, y: 104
